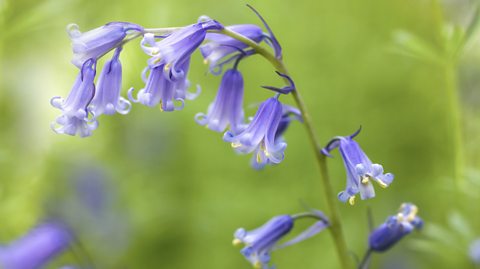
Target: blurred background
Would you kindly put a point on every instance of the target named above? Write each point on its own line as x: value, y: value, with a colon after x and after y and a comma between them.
x: 178, y: 192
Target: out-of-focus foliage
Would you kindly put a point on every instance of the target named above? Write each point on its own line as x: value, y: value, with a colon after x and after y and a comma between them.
x: 181, y: 189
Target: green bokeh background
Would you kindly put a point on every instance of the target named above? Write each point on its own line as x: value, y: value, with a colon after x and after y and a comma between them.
x: 182, y: 191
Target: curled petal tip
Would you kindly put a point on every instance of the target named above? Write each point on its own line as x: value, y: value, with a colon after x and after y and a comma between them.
x: 56, y: 102
x: 326, y: 153
x: 193, y: 95
x: 356, y: 132
x: 180, y: 104
x: 227, y: 136
x: 130, y: 95
x: 204, y: 18
x: 330, y: 146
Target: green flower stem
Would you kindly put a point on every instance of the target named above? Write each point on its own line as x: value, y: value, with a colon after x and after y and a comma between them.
x: 365, y: 263
x: 455, y: 115
x: 333, y: 212
x: 161, y: 31
x: 121, y: 44
x: 306, y: 215
x: 454, y: 110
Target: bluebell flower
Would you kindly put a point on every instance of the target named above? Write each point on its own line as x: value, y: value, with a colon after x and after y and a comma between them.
x: 227, y: 108
x: 220, y: 46
x: 175, y: 50
x: 107, y: 99
x: 259, y: 136
x: 474, y: 251
x: 36, y: 249
x: 360, y: 170
x: 259, y: 159
x: 260, y: 242
x: 395, y: 228
x: 95, y: 43
x: 159, y: 90
x: 74, y: 119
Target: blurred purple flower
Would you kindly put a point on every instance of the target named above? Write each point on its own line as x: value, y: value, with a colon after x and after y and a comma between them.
x: 474, y: 251
x: 395, y: 228
x: 227, y: 108
x: 97, y: 42
x: 259, y: 136
x: 360, y: 170
x: 107, y: 99
x: 88, y: 205
x: 36, y: 249
x: 74, y: 118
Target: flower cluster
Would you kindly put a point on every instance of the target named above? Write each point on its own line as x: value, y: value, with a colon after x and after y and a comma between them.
x: 166, y: 82
x: 85, y: 101
x: 169, y: 64
x: 167, y: 86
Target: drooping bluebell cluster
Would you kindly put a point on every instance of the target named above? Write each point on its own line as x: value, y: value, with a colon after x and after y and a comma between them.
x: 166, y: 82
x: 84, y: 103
x: 37, y: 248
x: 395, y: 228
x: 166, y: 86
x: 360, y: 170
x: 260, y: 242
x: 169, y: 64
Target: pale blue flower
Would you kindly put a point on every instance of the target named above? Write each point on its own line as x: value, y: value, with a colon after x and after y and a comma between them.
x: 259, y: 136
x: 226, y: 109
x: 74, y: 118
x: 95, y: 43
x: 260, y: 242
x: 259, y: 159
x: 360, y: 170
x: 107, y: 99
